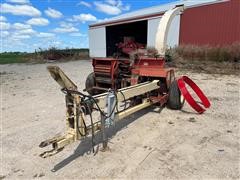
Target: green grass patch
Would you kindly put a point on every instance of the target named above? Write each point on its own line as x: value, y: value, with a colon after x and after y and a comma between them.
x: 9, y: 58
x: 42, y: 56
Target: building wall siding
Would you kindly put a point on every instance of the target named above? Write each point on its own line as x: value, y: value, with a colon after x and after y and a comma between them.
x: 152, y: 31
x: 97, y: 42
x: 216, y: 24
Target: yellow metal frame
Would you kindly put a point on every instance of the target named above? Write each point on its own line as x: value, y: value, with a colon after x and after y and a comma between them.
x: 74, y: 114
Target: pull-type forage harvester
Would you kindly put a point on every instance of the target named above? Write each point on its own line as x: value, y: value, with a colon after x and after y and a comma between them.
x: 136, y: 78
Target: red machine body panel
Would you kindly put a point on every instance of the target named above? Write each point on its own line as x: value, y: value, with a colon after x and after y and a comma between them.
x: 105, y: 70
x: 151, y: 67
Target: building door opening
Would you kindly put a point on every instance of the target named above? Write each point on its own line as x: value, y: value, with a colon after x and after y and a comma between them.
x: 116, y: 34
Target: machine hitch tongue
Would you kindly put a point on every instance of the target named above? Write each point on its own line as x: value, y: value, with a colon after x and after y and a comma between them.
x: 72, y: 111
x: 52, y: 151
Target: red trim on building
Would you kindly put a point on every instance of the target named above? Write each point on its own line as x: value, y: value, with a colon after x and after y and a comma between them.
x: 215, y: 24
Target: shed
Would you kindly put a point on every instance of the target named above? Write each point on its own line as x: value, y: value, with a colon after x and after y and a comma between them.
x: 212, y: 22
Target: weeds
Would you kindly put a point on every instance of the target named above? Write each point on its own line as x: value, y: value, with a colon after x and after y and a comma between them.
x: 229, y: 53
x: 218, y: 59
x: 62, y: 54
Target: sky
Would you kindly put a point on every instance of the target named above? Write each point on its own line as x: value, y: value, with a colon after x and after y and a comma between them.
x: 27, y: 25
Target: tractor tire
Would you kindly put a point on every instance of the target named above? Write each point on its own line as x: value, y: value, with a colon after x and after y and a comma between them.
x: 90, y: 83
x: 175, y: 99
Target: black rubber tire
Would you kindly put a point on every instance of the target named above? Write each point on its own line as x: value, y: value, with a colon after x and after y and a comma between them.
x: 90, y: 82
x: 174, y: 99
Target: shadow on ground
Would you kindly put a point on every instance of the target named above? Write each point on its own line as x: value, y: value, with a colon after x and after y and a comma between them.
x: 85, y: 145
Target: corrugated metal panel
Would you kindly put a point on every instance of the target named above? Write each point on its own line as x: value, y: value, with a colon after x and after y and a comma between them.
x: 216, y: 24
x: 97, y: 42
x: 153, y: 11
x: 152, y: 31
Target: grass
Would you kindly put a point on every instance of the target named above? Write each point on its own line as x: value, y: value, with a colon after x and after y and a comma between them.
x: 42, y: 56
x: 10, y: 58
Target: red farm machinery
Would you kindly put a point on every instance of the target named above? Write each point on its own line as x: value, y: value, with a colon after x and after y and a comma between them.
x: 133, y: 79
x: 134, y: 65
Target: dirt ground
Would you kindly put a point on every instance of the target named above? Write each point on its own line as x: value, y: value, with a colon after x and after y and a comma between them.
x: 150, y: 144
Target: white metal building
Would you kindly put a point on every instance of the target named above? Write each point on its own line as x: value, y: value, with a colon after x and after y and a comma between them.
x: 141, y: 24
